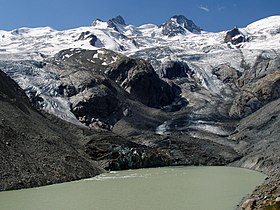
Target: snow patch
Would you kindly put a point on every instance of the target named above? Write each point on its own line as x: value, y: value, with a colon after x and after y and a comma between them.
x: 215, y: 129
x: 163, y: 129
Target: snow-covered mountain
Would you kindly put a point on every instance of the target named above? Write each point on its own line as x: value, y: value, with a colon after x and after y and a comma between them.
x: 200, y: 56
x: 116, y: 35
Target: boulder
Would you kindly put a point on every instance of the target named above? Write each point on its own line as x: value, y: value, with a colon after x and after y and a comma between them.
x: 248, y: 204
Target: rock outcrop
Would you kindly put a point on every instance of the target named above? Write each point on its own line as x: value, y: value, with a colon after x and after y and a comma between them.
x: 119, y: 20
x: 227, y: 74
x: 139, y: 79
x: 88, y: 36
x: 136, y: 76
x: 97, y: 103
x: 176, y: 69
x: 179, y: 24
x: 255, y: 95
x: 235, y: 37
x: 96, y: 100
x: 114, y: 22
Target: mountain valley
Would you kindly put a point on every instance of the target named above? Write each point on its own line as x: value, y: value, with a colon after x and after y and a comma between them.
x: 113, y: 96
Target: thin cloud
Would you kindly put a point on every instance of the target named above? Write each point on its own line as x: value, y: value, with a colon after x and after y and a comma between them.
x: 204, y: 8
x: 220, y: 8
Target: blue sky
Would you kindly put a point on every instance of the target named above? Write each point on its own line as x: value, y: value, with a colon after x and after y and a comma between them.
x: 211, y: 15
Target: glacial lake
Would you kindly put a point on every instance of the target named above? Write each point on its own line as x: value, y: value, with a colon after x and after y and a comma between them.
x: 167, y: 188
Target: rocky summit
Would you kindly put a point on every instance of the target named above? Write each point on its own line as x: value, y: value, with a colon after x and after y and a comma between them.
x: 179, y: 24
x: 114, y: 96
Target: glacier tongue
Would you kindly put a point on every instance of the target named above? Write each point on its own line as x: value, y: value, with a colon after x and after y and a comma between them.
x: 41, y: 86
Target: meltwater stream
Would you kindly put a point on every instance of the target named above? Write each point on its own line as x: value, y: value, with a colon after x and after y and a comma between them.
x: 168, y: 188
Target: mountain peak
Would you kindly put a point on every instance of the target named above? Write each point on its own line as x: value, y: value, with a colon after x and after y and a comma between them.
x: 112, y: 23
x: 96, y: 22
x: 179, y: 24
x: 115, y: 22
x: 119, y: 20
x: 180, y: 18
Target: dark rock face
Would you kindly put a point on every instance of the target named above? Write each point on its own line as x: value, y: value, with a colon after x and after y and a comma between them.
x: 135, y: 76
x: 141, y: 81
x: 93, y: 39
x: 12, y: 93
x: 83, y: 35
x: 119, y: 19
x: 150, y: 91
x: 226, y: 74
x: 87, y: 35
x: 229, y: 76
x: 257, y: 138
x: 67, y: 90
x: 112, y: 23
x: 99, y: 103
x: 178, y: 24
x: 255, y: 95
x: 176, y: 69
x: 235, y: 37
x: 95, y: 99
